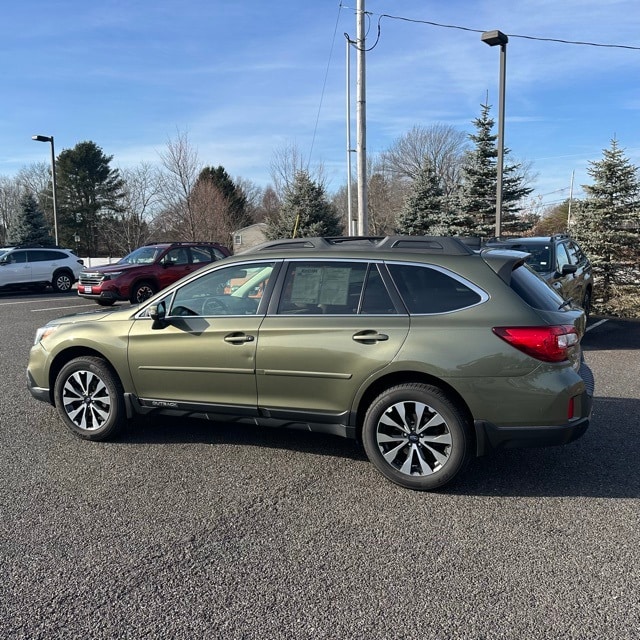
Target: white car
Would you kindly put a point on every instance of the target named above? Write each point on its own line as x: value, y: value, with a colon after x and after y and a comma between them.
x: 39, y: 267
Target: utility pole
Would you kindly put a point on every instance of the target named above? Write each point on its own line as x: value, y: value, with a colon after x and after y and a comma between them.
x: 573, y: 173
x: 352, y: 221
x: 361, y: 138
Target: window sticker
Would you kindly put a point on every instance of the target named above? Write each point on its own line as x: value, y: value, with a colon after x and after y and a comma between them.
x: 335, y: 286
x: 321, y: 285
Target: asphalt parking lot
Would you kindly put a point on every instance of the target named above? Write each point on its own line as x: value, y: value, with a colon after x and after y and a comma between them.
x: 189, y: 529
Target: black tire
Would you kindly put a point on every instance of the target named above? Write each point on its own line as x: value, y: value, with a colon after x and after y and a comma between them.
x: 142, y: 291
x: 586, y: 302
x: 62, y: 281
x: 105, y: 303
x: 90, y: 398
x: 416, y: 437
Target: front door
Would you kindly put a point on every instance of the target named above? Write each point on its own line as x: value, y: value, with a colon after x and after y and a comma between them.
x: 16, y: 269
x: 204, y: 354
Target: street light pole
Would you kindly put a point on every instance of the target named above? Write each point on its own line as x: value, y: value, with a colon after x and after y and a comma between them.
x: 53, y: 181
x: 493, y: 38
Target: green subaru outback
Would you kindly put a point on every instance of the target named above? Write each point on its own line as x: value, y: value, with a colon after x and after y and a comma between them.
x: 427, y: 352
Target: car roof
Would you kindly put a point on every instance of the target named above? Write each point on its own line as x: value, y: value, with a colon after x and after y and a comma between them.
x: 433, y: 245
x: 531, y: 239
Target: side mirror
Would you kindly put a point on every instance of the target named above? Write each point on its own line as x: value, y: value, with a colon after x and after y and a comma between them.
x: 568, y: 268
x: 157, y: 313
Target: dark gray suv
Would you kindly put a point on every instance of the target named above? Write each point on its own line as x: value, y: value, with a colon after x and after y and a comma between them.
x: 560, y: 261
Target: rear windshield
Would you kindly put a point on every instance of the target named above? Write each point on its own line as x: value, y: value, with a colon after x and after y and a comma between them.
x: 534, y: 290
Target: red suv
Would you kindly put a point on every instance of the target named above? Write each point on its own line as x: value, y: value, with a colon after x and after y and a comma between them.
x: 146, y: 270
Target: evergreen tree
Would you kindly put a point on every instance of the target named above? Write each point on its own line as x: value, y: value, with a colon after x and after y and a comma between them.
x: 607, y: 222
x: 305, y: 212
x: 236, y: 210
x: 423, y: 205
x: 88, y: 191
x: 30, y: 226
x: 479, y: 182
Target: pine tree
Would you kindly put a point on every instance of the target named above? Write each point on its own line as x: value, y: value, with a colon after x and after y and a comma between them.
x: 423, y: 206
x: 89, y: 190
x: 607, y: 222
x: 305, y: 212
x: 479, y: 182
x: 30, y: 226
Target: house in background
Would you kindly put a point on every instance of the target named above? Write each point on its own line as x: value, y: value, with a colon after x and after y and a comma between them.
x: 249, y: 237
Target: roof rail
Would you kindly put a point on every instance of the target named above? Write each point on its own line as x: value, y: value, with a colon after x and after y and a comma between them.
x: 36, y: 246
x: 179, y: 242
x: 428, y: 244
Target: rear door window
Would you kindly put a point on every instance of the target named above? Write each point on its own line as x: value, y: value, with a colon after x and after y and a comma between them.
x: 430, y: 289
x: 327, y: 287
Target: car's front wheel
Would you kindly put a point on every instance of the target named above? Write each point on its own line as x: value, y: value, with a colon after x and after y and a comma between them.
x: 90, y: 399
x: 141, y: 292
x: 416, y: 437
x: 62, y: 281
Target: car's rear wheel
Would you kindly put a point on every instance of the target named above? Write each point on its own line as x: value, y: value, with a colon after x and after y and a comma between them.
x: 416, y: 437
x: 62, y: 281
x: 90, y: 399
x: 142, y: 291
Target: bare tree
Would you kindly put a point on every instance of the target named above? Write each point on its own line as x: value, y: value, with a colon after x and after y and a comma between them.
x: 253, y: 194
x: 181, y: 170
x: 141, y: 197
x: 442, y: 145
x: 36, y: 178
x: 10, y: 194
x: 287, y: 163
x: 209, y: 209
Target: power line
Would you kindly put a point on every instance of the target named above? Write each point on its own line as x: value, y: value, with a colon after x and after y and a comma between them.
x: 511, y: 35
x: 324, y: 85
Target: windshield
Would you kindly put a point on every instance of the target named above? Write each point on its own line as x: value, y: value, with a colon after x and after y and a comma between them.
x: 143, y: 255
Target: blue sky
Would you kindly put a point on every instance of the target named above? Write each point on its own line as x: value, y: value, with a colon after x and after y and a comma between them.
x: 244, y: 78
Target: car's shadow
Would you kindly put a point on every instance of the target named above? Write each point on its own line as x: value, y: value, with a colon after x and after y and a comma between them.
x: 603, y: 463
x: 619, y: 334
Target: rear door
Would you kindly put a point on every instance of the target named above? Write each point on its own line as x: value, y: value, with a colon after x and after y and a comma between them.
x: 331, y: 326
x: 44, y: 262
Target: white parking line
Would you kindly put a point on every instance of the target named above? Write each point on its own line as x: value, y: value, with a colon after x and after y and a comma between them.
x: 597, y: 324
x: 6, y: 304
x: 72, y: 306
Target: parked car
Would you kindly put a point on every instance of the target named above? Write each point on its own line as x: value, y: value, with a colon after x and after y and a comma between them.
x: 147, y: 270
x: 427, y: 352
x: 38, y: 267
x: 560, y: 261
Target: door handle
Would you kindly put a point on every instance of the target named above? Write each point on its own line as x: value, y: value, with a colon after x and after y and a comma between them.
x: 369, y: 337
x: 238, y: 338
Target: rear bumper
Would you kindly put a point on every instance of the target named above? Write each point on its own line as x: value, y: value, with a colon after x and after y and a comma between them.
x: 490, y: 437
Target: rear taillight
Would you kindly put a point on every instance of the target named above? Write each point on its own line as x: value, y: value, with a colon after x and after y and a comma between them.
x: 549, y: 344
